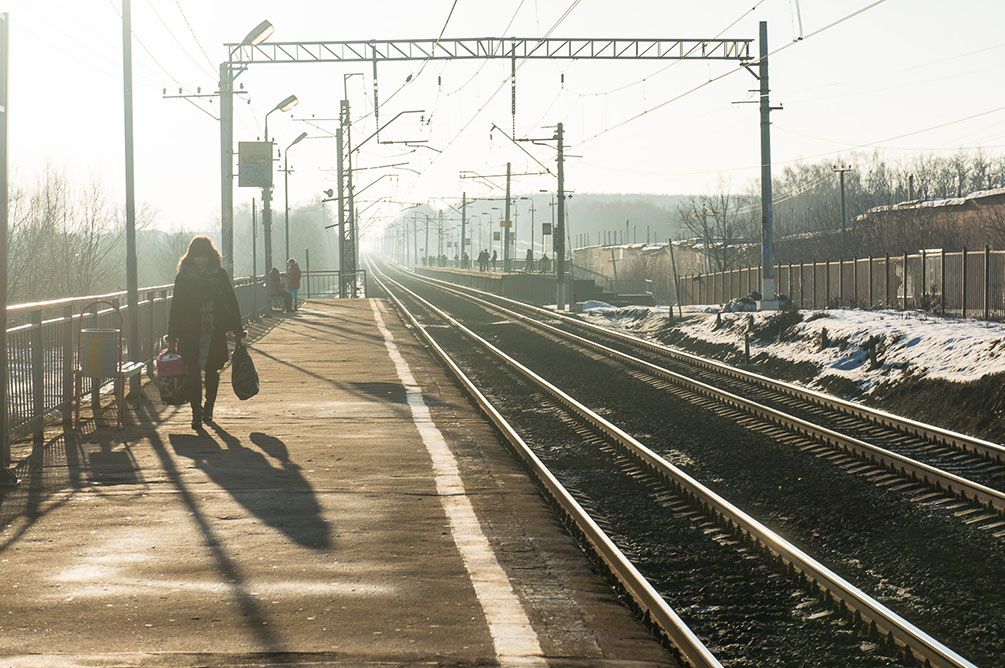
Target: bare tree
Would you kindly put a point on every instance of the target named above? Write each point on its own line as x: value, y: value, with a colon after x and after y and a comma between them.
x: 723, y: 225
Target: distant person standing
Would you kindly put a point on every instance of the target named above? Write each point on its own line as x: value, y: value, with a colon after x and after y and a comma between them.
x: 494, y: 258
x: 203, y: 309
x: 529, y: 261
x: 293, y: 282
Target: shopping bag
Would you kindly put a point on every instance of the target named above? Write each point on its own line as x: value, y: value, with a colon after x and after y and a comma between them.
x: 243, y: 375
x: 169, y: 370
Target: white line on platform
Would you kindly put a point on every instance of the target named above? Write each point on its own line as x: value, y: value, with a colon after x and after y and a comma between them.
x: 516, y: 643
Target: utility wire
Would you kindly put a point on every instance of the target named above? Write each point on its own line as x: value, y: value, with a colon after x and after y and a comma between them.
x: 485, y: 62
x: 421, y: 68
x: 672, y: 63
x: 729, y: 72
x: 194, y: 36
x: 144, y: 47
x: 176, y: 40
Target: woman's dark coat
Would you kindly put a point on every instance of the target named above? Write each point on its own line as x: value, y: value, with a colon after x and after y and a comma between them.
x: 190, y: 289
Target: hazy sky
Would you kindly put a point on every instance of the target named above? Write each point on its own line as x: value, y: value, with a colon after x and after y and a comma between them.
x: 885, y: 80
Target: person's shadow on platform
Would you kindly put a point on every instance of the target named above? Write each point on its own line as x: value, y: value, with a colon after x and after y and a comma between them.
x: 280, y: 497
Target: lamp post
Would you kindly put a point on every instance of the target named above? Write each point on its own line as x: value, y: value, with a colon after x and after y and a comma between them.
x: 286, y: 186
x: 493, y: 228
x: 132, y: 283
x: 260, y: 33
x: 285, y: 105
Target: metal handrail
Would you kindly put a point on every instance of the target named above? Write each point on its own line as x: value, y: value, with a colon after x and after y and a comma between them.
x: 42, y: 354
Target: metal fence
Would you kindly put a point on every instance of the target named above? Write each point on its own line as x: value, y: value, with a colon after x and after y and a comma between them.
x: 42, y: 348
x: 969, y: 284
x: 334, y: 283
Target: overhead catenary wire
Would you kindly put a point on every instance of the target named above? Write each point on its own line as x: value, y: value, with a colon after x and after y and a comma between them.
x: 177, y: 41
x: 194, y: 36
x: 730, y: 72
x: 672, y: 63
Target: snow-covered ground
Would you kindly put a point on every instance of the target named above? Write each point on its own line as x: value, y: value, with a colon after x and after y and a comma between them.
x: 909, y: 343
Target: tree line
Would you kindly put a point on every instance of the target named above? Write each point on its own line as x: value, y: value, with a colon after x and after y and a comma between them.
x: 807, y: 209
x: 67, y: 239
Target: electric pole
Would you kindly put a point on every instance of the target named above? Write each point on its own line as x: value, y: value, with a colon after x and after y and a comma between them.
x: 558, y: 239
x: 464, y: 222
x: 844, y: 220
x: 768, y: 301
x: 506, y: 224
x: 532, y: 227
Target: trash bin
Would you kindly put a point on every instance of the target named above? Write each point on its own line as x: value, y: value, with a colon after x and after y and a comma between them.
x: 99, y: 352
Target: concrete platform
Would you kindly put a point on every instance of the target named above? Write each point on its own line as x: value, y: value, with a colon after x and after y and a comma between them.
x: 358, y: 512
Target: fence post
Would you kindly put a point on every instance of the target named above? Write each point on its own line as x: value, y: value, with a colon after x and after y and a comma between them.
x: 886, y: 289
x: 827, y: 283
x: 905, y: 280
x: 854, y: 277
x: 814, y: 284
x: 801, y: 284
x: 788, y: 288
x: 872, y: 299
x: 943, y: 291
x: 841, y: 283
x: 68, y: 366
x: 964, y: 281
x: 924, y: 276
x: 987, y: 282
x: 37, y: 377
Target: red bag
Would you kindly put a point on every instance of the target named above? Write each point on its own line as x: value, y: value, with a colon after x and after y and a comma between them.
x: 169, y: 364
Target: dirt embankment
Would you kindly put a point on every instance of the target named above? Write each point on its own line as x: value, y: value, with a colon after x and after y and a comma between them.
x: 976, y: 408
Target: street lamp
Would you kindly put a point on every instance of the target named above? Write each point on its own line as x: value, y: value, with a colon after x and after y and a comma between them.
x: 286, y: 186
x: 285, y: 105
x: 259, y: 34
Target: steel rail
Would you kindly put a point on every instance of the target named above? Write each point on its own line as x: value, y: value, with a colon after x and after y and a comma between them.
x: 896, y: 463
x: 848, y: 597
x: 656, y: 610
x: 984, y: 449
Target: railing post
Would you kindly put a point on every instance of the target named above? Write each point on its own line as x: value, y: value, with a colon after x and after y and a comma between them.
x: 68, y: 366
x: 987, y: 282
x: 37, y: 377
x: 151, y: 321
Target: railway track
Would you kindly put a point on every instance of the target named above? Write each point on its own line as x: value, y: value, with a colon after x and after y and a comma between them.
x: 967, y: 474
x: 535, y: 415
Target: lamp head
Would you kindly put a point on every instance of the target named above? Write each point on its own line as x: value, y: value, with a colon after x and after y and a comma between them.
x: 259, y: 34
x: 287, y: 104
x: 300, y: 138
x: 329, y: 192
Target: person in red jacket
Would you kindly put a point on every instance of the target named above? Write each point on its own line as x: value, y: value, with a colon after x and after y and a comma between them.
x: 293, y: 281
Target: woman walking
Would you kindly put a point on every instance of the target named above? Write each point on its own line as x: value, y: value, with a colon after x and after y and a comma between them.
x: 203, y: 309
